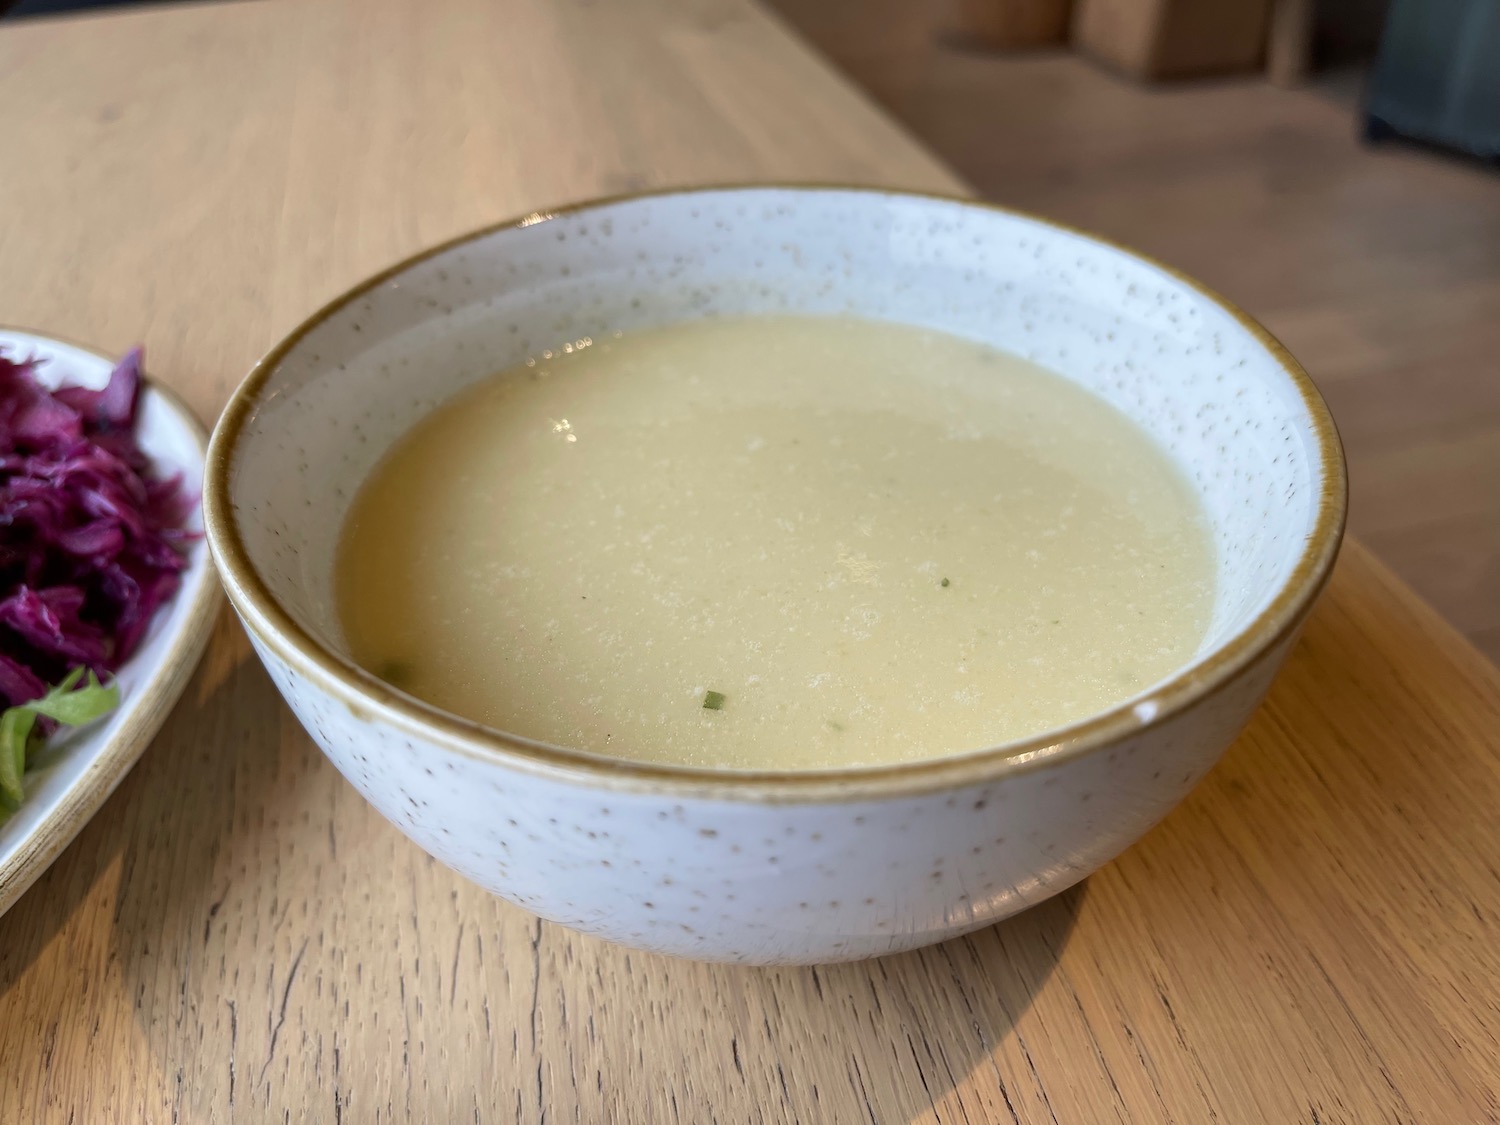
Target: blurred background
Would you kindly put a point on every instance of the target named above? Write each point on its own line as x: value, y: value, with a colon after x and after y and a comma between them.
x: 1330, y: 165
x: 1232, y: 138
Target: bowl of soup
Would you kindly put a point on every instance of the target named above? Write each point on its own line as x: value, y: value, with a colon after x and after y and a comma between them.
x: 775, y: 574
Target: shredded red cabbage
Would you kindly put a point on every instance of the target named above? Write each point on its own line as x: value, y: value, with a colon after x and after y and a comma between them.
x: 91, y: 540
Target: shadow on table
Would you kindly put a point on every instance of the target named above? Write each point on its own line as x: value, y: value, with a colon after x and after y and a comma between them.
x: 214, y: 842
x: 201, y: 840
x: 888, y: 1040
x: 909, y: 1029
x: 192, y: 760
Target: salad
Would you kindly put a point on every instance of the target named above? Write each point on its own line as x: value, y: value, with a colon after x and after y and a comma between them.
x: 92, y: 543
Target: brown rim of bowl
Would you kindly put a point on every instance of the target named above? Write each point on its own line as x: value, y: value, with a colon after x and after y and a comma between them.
x: 367, y: 696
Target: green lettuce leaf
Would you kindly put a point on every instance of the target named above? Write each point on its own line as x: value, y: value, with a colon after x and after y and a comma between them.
x: 69, y: 703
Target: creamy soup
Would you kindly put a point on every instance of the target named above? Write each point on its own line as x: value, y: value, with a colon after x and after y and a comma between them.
x: 775, y: 543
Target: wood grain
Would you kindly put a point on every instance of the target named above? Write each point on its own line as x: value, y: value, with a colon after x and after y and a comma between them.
x: 1311, y: 938
x: 1379, y: 267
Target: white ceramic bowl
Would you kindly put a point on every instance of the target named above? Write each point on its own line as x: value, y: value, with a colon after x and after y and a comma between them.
x: 775, y: 867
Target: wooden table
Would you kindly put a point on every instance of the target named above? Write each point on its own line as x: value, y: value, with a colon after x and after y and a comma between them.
x: 1313, y: 937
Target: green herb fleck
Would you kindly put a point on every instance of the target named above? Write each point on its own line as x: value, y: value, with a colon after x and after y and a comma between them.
x: 713, y: 701
x: 944, y: 582
x: 397, y: 673
x: 67, y: 703
x: 834, y: 724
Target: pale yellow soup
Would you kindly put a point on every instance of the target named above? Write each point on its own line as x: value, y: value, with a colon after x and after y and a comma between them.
x: 775, y: 543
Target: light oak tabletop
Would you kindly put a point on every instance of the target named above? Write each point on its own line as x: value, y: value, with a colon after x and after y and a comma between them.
x: 1313, y: 937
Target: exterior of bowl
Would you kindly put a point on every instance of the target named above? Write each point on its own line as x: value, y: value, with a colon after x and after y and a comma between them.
x: 782, y: 878
x: 755, y: 867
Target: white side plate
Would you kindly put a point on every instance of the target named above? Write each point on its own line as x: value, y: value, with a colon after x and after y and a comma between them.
x: 78, y: 769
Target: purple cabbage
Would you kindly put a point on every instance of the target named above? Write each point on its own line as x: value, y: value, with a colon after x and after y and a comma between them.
x: 91, y: 540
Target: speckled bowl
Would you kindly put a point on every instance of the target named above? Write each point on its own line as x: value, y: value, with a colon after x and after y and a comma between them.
x: 775, y: 867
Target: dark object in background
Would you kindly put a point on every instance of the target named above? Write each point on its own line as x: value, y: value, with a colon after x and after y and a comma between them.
x: 1437, y: 77
x: 1346, y: 33
x: 20, y: 9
